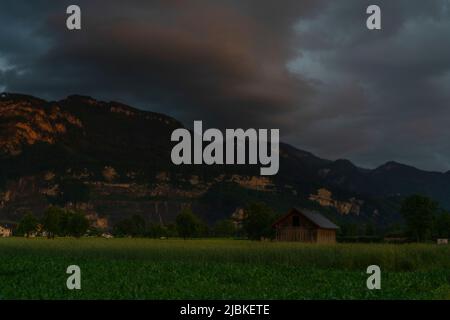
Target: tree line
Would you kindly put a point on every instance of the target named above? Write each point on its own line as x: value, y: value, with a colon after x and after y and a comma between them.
x: 423, y: 219
x: 256, y: 224
x: 56, y: 221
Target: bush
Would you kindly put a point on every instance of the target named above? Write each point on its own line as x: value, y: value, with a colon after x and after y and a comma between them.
x: 224, y: 228
x: 189, y: 225
x: 360, y: 239
x: 62, y: 222
x: 134, y: 226
x: 28, y: 225
x: 442, y: 225
x: 419, y: 212
x: 52, y: 221
x: 156, y: 231
x: 257, y: 223
x: 78, y: 224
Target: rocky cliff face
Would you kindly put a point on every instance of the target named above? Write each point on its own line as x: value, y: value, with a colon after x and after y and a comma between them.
x: 52, y: 152
x: 324, y: 198
x: 26, y: 121
x: 121, y: 154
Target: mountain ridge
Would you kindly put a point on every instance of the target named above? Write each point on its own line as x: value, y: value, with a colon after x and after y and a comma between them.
x: 123, y: 155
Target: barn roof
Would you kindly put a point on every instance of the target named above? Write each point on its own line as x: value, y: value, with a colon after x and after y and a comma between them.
x: 314, y: 216
x: 318, y: 219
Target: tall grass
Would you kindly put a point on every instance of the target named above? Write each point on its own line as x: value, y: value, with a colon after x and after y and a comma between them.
x: 219, y: 269
x: 405, y: 257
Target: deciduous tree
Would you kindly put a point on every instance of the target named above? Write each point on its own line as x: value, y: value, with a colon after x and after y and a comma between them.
x: 419, y: 212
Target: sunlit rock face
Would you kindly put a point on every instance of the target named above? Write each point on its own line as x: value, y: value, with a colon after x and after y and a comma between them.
x: 122, y: 156
x: 325, y: 198
x: 27, y: 121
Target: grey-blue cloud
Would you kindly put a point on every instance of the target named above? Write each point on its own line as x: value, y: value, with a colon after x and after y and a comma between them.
x: 310, y: 68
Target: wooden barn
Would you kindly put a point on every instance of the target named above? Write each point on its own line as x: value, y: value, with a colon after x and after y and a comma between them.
x: 305, y: 225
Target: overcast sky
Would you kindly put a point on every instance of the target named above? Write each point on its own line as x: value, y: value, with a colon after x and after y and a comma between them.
x: 309, y: 68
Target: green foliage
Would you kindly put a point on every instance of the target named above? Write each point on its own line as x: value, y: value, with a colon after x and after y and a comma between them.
x: 351, y: 232
x: 156, y: 231
x: 62, y: 222
x: 370, y: 229
x: 78, y: 224
x: 442, y: 225
x: 93, y: 231
x: 224, y: 228
x: 134, y: 226
x: 220, y: 269
x: 258, y: 219
x: 171, y: 230
x: 52, y: 221
x: 27, y: 225
x: 419, y: 212
x: 349, y: 229
x: 139, y: 225
x: 189, y: 225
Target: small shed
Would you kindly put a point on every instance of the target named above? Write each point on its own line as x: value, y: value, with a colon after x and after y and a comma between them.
x: 5, y: 231
x: 304, y: 225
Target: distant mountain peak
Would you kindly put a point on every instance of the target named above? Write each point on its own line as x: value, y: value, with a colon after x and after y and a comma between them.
x: 9, y: 96
x: 343, y: 164
x: 394, y: 165
x: 79, y: 97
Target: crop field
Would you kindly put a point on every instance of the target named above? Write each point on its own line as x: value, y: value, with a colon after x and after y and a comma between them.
x: 219, y: 269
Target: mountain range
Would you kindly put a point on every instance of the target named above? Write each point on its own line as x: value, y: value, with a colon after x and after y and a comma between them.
x: 53, y: 151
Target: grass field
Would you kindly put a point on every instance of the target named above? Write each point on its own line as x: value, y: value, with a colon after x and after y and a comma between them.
x: 219, y: 269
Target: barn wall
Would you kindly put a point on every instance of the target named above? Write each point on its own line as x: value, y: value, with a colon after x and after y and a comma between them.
x: 296, y: 234
x: 326, y: 236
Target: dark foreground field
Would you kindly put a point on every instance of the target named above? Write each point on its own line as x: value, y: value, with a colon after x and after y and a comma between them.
x: 219, y: 269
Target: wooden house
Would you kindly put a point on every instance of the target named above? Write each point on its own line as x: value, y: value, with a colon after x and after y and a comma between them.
x: 5, y: 231
x: 305, y: 225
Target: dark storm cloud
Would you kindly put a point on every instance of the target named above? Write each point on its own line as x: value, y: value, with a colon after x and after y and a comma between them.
x: 223, y: 62
x: 380, y: 95
x: 310, y: 68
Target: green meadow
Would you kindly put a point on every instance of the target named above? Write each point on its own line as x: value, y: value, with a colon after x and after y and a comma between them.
x: 219, y: 269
